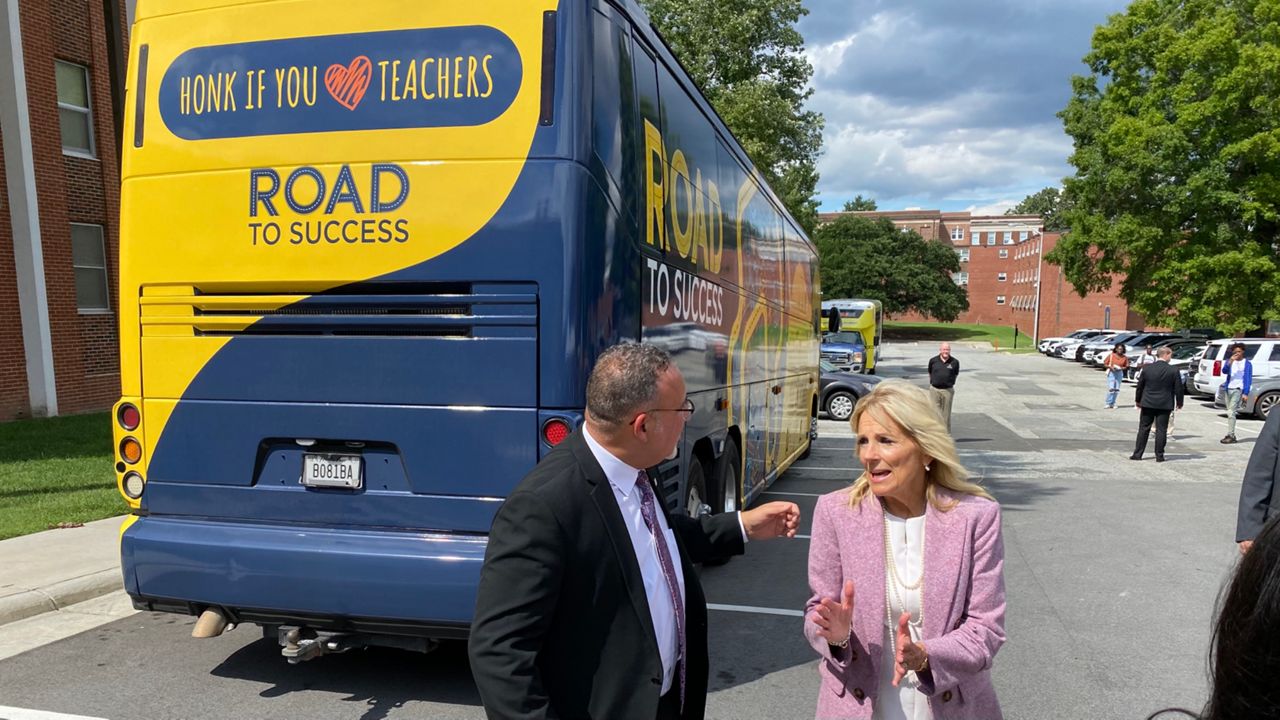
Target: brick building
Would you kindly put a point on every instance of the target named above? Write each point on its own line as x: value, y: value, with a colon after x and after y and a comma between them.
x: 1002, y: 267
x: 59, y: 83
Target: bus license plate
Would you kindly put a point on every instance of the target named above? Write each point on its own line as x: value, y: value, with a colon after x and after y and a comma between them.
x: 334, y: 471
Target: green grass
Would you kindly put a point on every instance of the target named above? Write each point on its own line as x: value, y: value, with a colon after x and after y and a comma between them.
x: 997, y: 335
x: 56, y: 470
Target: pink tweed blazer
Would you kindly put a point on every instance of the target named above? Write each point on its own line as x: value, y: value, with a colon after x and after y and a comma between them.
x: 963, y: 605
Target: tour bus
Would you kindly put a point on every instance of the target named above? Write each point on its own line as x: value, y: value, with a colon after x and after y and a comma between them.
x: 865, y: 317
x: 367, y: 262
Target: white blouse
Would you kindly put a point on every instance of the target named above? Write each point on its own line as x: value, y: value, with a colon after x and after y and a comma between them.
x: 906, y: 542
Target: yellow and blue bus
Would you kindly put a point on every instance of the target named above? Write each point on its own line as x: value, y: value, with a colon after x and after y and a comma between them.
x: 865, y: 317
x: 367, y: 262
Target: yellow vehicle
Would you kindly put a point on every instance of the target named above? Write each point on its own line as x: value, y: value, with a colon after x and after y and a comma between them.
x: 369, y: 252
x: 864, y: 317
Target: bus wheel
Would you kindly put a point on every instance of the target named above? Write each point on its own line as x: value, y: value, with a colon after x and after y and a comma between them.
x: 727, y: 474
x: 695, y: 492
x: 728, y: 470
x: 811, y: 438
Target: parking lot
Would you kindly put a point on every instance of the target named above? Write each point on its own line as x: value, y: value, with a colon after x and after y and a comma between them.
x: 1112, y: 569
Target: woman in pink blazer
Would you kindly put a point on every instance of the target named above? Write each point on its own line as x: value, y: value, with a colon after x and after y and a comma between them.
x: 907, y: 573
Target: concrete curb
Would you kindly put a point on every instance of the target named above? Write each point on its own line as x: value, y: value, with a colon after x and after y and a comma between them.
x: 37, y: 601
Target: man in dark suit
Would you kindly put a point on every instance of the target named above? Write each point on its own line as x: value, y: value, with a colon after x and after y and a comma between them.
x: 588, y: 605
x: 1259, y: 500
x: 1159, y: 391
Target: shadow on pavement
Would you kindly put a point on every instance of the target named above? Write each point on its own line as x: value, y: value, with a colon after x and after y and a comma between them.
x: 375, y: 680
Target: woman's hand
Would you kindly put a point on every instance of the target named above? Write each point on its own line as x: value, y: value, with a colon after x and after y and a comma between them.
x: 835, y: 619
x: 912, y: 656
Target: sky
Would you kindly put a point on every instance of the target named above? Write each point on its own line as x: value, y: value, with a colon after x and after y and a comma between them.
x: 945, y: 104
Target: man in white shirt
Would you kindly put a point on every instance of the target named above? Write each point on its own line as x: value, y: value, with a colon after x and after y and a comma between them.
x: 588, y: 604
x: 1239, y: 378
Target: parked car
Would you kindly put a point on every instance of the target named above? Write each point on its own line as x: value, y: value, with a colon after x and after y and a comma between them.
x: 1263, y: 353
x: 1185, y: 354
x: 845, y: 350
x: 1047, y: 345
x: 1133, y: 346
x: 1087, y: 351
x: 1071, y: 349
x: 1263, y: 396
x: 839, y: 392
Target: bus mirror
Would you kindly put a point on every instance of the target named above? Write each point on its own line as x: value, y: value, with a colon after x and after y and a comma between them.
x: 833, y: 320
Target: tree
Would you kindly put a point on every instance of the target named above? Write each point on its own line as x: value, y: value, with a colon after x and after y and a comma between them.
x: 1177, y: 157
x: 859, y: 203
x: 748, y: 59
x: 1051, y: 204
x: 865, y: 257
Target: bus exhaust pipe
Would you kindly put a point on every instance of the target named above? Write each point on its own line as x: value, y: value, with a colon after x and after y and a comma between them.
x: 212, y: 623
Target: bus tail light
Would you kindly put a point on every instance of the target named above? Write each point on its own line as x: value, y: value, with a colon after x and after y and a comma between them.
x: 133, y: 485
x: 554, y: 431
x: 130, y: 450
x: 128, y: 416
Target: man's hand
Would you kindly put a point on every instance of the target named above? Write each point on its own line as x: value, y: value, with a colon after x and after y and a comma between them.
x: 1245, y: 546
x: 771, y: 520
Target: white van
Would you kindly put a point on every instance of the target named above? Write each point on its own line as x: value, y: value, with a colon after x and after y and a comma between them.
x: 1264, y: 353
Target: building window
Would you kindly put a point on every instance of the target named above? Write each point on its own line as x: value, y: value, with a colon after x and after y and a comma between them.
x: 1022, y: 235
x: 960, y: 278
x: 1001, y: 277
x: 999, y: 299
x: 957, y: 234
x: 1008, y: 237
x: 74, y: 115
x: 991, y: 237
x: 964, y: 254
x: 1004, y: 253
x: 977, y: 238
x: 89, y: 258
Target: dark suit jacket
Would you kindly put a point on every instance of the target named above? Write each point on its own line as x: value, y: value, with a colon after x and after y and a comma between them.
x: 1159, y: 387
x: 1258, y: 498
x: 562, y: 626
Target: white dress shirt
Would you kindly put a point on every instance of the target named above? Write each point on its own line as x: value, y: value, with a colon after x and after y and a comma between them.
x: 622, y: 478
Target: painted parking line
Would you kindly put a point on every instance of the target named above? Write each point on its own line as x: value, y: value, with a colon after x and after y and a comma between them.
x: 812, y: 467
x: 13, y: 713
x: 798, y: 494
x: 746, y: 609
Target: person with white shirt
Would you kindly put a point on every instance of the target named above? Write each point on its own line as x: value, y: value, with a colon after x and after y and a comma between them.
x: 1239, y: 379
x: 588, y: 605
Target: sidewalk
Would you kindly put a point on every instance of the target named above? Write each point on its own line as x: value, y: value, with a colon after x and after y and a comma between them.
x: 50, y: 570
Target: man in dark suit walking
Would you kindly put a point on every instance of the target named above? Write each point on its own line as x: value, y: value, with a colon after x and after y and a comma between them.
x: 1259, y: 500
x: 1159, y: 391
x: 588, y: 604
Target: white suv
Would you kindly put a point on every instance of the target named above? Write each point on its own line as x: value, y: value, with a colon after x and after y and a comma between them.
x: 1263, y: 353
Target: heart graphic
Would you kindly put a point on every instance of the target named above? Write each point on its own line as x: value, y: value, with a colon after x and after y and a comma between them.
x: 347, y: 83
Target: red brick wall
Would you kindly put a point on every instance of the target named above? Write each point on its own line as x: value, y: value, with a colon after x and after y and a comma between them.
x: 69, y: 189
x: 14, y: 398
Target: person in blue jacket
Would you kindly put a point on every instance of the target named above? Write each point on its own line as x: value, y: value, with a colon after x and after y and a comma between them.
x: 1238, y: 379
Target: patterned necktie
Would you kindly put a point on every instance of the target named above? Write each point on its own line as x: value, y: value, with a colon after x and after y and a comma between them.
x: 650, y: 515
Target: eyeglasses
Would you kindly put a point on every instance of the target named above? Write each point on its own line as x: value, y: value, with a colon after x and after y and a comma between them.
x: 686, y: 408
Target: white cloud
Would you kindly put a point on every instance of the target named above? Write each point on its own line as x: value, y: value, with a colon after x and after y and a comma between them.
x: 935, y: 104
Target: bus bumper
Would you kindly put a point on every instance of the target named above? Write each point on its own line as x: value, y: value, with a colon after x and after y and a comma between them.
x: 403, y: 583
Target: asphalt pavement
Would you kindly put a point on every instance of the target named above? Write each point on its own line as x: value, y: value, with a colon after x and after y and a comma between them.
x: 1112, y: 570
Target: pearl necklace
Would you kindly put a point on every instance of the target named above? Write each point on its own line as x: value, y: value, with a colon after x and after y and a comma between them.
x: 891, y: 589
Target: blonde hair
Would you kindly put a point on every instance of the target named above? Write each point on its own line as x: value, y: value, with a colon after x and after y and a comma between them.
x: 896, y: 402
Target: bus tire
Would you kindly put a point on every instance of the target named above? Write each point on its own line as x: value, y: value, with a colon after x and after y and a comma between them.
x: 728, y: 470
x: 809, y: 440
x: 695, y: 492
